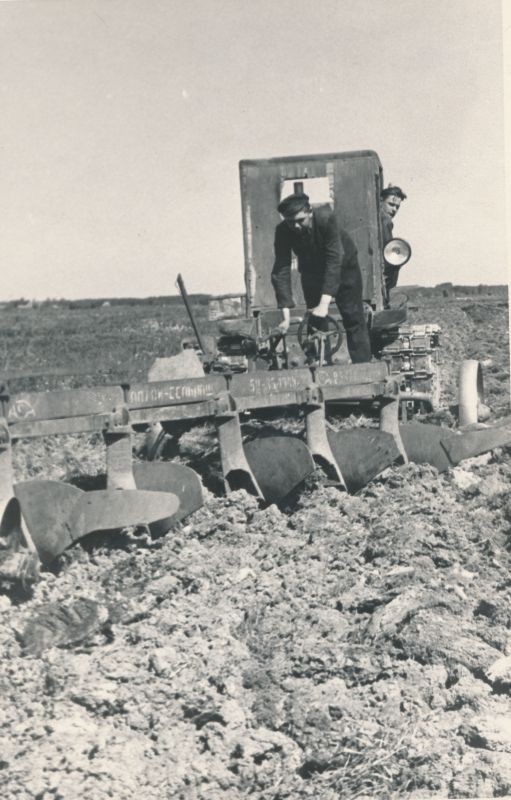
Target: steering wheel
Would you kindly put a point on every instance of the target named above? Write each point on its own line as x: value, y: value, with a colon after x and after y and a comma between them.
x: 271, y: 339
x: 308, y: 335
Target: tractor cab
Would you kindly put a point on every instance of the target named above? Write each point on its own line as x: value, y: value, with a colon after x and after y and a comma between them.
x: 350, y: 183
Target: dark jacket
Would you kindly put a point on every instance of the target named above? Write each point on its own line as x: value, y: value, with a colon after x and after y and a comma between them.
x: 387, y: 227
x: 325, y: 254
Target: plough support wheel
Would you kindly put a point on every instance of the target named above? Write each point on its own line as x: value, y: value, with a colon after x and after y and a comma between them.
x: 279, y: 464
x: 362, y: 453
x: 470, y: 392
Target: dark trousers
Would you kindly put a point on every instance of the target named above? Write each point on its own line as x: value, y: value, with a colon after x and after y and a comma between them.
x: 349, y: 302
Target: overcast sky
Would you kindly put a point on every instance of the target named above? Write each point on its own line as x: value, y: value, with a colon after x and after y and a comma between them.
x: 123, y: 122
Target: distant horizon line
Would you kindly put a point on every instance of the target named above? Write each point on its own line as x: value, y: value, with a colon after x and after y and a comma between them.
x: 152, y: 297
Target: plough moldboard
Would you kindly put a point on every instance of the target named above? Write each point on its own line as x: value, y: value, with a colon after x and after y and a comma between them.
x: 42, y: 518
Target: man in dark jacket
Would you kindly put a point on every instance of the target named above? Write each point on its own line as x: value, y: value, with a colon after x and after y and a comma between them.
x: 390, y: 201
x: 328, y: 266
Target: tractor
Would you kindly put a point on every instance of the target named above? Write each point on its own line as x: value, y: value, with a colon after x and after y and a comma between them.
x: 247, y: 340
x: 248, y: 370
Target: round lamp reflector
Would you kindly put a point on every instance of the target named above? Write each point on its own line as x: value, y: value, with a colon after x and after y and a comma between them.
x: 397, y: 252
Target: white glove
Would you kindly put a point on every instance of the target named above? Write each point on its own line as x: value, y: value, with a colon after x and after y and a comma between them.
x: 321, y: 309
x: 284, y: 325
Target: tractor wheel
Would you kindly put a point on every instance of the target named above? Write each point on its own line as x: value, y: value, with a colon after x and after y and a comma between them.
x: 470, y: 392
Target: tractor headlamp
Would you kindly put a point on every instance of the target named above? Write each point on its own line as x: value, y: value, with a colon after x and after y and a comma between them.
x: 397, y: 252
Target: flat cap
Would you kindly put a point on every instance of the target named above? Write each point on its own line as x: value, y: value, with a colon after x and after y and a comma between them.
x: 293, y: 204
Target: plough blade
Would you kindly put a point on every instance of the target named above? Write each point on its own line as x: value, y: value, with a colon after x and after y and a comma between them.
x: 111, y: 509
x: 443, y: 448
x: 47, y: 508
x: 279, y: 464
x: 362, y: 453
x: 166, y: 476
x: 57, y: 514
x: 10, y: 524
x: 472, y: 443
x: 424, y: 444
x: 13, y: 533
x: 18, y: 556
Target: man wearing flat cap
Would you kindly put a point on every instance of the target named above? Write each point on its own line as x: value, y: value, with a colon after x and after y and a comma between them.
x: 328, y: 267
x: 390, y: 201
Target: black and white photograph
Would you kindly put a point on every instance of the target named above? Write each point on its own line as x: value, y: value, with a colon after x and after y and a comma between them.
x: 255, y: 409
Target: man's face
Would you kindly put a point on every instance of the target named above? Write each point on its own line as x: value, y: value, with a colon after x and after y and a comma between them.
x: 300, y: 222
x: 390, y: 204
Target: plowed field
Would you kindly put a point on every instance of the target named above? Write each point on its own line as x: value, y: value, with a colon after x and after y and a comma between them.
x: 339, y: 647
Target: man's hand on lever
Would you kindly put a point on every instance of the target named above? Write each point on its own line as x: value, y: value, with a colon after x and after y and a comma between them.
x: 286, y: 319
x: 321, y: 310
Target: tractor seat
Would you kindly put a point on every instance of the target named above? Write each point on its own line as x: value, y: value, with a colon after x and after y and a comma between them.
x: 237, y: 327
x: 389, y: 318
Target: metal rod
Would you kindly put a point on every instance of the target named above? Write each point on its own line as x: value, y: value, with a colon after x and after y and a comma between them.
x: 186, y: 301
